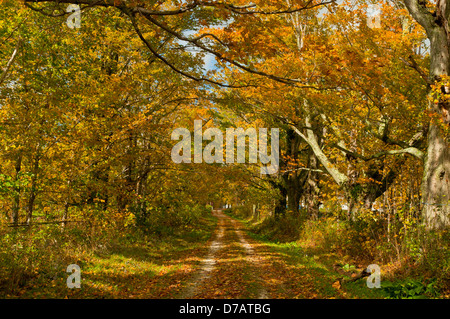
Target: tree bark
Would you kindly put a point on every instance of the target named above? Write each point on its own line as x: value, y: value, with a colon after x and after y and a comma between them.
x: 31, y: 199
x: 294, y: 181
x: 17, y: 190
x: 280, y: 205
x: 436, y: 176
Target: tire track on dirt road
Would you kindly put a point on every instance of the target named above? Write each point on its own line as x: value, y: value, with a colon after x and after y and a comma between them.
x: 252, y: 258
x: 208, y: 263
x: 230, y: 268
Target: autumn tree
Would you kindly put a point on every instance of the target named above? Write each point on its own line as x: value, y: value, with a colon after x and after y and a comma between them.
x: 108, y: 140
x: 251, y: 39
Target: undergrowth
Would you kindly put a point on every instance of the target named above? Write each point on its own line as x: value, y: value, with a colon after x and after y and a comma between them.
x: 39, y: 254
x: 414, y: 263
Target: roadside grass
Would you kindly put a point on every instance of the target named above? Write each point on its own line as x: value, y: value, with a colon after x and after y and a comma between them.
x: 316, y: 252
x: 128, y: 265
x: 316, y: 268
x: 135, y: 264
x: 313, y: 267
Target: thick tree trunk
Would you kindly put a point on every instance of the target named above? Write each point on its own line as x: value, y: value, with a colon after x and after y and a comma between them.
x: 280, y: 206
x: 293, y: 195
x: 293, y: 180
x: 436, y: 180
x: 436, y: 176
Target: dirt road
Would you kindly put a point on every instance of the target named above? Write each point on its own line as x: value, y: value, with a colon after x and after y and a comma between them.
x: 235, y: 266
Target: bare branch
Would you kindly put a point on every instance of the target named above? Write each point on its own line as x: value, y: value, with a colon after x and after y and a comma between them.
x: 189, y: 7
x: 149, y: 15
x: 409, y: 150
x: 283, y: 11
x: 10, y: 62
x: 413, y: 64
x: 165, y: 61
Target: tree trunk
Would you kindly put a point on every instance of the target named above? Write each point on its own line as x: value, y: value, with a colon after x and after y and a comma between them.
x: 128, y: 171
x: 280, y: 206
x: 435, y: 184
x: 65, y: 215
x: 31, y: 199
x: 293, y: 194
x: 293, y: 180
x: 436, y: 176
x: 17, y: 190
x: 312, y: 187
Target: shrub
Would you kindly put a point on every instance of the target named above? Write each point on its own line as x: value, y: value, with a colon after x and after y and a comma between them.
x: 280, y: 229
x: 410, y: 289
x: 163, y: 220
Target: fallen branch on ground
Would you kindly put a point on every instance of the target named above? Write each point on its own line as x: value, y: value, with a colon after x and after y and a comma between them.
x: 361, y: 274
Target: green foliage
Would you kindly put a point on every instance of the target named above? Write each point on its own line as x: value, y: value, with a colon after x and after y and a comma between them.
x: 279, y: 229
x: 410, y: 289
x: 163, y: 220
x: 86, y: 116
x: 348, y: 267
x: 33, y: 260
x: 41, y: 253
x: 9, y: 184
x: 435, y: 255
x: 352, y: 238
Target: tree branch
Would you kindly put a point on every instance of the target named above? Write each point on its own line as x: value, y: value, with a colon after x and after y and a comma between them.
x: 413, y: 64
x: 10, y: 62
x: 420, y: 13
x: 189, y: 7
x: 409, y: 150
x: 166, y: 62
x: 149, y: 15
x: 311, y: 139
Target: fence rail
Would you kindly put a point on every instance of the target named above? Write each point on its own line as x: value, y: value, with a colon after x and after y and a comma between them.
x: 46, y: 222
